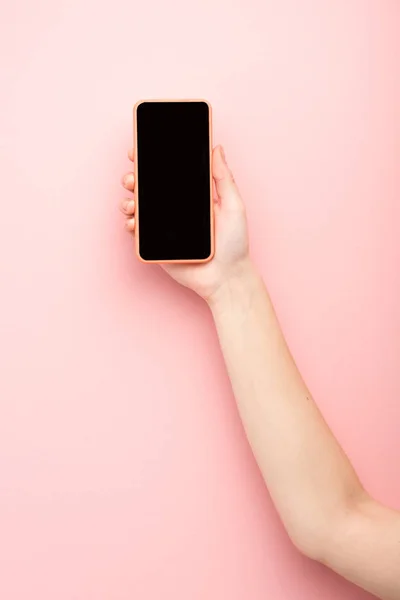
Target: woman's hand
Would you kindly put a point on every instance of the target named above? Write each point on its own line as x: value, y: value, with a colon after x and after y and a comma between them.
x: 324, y: 507
x: 231, y: 239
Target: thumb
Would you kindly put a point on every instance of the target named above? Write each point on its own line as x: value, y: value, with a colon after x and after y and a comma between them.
x: 226, y: 187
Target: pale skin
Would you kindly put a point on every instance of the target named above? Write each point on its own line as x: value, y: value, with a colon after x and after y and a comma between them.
x: 327, y: 513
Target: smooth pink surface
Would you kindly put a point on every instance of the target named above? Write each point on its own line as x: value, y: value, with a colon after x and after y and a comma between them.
x: 124, y: 472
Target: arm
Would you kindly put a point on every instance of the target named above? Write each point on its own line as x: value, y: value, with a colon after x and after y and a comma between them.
x: 323, y: 506
x: 326, y: 511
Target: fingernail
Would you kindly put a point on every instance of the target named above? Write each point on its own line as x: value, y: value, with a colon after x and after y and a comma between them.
x: 223, y: 155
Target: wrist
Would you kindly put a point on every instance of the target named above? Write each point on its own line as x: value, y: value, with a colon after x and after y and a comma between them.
x: 238, y: 284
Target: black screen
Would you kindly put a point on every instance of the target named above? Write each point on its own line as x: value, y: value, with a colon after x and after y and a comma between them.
x: 173, y: 153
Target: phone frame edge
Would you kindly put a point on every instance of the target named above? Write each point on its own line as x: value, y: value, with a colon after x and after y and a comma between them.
x: 136, y: 190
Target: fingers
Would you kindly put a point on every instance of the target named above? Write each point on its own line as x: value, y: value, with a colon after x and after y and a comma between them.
x: 128, y: 207
x: 128, y: 181
x: 131, y: 154
x: 130, y: 225
x: 224, y: 183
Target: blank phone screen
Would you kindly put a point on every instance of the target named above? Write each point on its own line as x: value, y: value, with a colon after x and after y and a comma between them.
x: 173, y: 187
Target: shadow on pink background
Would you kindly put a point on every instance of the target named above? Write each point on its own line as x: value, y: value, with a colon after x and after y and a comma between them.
x: 124, y: 472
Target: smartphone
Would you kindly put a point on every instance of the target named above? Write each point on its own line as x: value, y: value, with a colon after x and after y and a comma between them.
x: 173, y: 181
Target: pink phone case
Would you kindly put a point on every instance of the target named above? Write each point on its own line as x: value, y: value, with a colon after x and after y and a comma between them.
x: 137, y: 187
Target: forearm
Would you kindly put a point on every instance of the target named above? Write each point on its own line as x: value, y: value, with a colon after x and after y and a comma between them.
x: 308, y: 475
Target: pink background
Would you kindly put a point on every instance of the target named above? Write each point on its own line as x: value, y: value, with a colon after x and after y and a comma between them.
x: 124, y: 471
